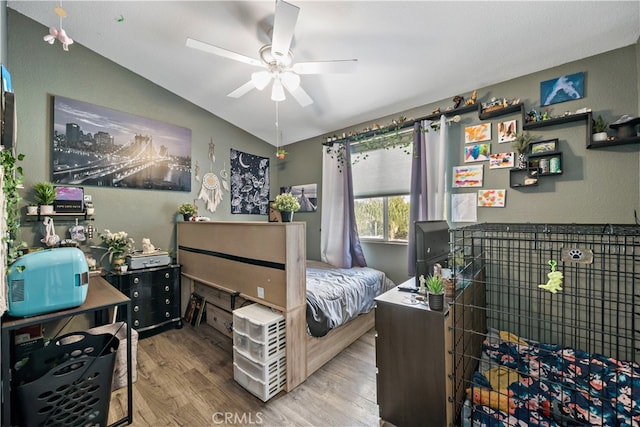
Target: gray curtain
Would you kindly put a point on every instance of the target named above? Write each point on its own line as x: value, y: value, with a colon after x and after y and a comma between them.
x: 355, y: 248
x: 417, y: 194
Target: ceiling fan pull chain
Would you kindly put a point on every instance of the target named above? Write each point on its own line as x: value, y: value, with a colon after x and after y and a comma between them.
x: 277, y: 127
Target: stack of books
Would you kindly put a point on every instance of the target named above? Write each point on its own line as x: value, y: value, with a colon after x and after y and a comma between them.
x: 196, y: 311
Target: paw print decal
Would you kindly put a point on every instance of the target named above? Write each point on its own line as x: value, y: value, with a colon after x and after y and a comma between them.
x: 575, y: 254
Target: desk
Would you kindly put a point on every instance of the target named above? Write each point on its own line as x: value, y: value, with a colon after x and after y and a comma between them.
x: 101, y: 296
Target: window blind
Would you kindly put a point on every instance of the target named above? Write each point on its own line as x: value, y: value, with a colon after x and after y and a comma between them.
x: 384, y: 172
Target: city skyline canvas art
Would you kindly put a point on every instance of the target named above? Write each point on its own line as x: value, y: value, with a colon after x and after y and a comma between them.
x: 98, y: 146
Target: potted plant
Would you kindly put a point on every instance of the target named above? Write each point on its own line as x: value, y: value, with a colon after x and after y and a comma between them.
x: 281, y: 153
x: 520, y: 145
x: 435, y: 289
x: 287, y: 204
x: 187, y: 210
x: 118, y: 246
x: 32, y: 209
x: 599, y: 127
x: 45, y: 195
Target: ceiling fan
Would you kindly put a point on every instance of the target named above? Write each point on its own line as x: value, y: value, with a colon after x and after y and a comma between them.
x: 277, y: 60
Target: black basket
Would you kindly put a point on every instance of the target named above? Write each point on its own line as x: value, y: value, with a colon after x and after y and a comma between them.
x: 68, y: 383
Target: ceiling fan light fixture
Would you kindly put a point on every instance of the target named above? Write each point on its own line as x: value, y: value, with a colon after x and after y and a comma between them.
x: 277, y: 91
x: 260, y: 79
x: 290, y: 80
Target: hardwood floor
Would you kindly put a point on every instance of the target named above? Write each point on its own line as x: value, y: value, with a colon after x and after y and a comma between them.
x: 185, y: 378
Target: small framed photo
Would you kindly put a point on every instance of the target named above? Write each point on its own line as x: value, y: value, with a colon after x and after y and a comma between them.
x: 542, y: 147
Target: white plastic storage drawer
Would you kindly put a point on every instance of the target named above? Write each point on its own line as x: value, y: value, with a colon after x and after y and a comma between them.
x: 258, y: 322
x: 275, y: 346
x: 265, y: 372
x: 261, y: 389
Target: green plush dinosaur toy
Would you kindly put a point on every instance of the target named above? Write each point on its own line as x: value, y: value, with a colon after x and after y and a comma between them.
x: 554, y: 284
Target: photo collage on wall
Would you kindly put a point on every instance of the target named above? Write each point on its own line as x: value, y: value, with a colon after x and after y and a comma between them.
x: 477, y: 149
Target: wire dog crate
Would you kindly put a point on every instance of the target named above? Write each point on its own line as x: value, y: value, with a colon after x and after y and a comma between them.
x: 554, y: 351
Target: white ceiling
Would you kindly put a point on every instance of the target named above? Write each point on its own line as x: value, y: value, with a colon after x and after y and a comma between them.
x: 410, y: 53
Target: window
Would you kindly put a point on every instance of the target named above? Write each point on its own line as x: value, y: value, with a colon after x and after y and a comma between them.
x: 381, y: 185
x: 383, y: 218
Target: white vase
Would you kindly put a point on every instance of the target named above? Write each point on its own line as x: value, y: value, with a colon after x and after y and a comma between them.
x: 46, y: 209
x: 600, y: 136
x: 32, y: 210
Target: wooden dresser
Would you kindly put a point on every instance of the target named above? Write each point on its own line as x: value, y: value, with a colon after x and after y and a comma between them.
x: 415, y: 357
x: 154, y: 293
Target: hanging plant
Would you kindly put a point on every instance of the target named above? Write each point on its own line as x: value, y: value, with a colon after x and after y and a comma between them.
x: 12, y: 181
x: 378, y: 137
x: 281, y: 153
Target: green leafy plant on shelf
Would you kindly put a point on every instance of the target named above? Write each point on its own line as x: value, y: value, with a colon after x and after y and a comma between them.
x: 600, y: 125
x: 45, y: 193
x: 522, y: 142
x: 12, y: 181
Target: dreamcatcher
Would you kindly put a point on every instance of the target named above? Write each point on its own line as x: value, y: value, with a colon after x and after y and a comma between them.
x: 210, y: 190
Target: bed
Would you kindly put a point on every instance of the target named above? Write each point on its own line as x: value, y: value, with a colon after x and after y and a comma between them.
x: 551, y: 385
x: 336, y: 296
x: 266, y: 263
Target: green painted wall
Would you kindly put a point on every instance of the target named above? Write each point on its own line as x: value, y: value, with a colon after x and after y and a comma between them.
x: 40, y: 71
x: 597, y: 186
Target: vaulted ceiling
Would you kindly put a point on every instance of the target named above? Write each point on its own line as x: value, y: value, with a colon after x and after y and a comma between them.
x: 409, y: 53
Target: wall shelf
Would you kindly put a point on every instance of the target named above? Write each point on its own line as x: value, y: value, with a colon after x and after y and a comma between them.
x: 557, y: 121
x: 531, y: 175
x: 613, y: 143
x: 67, y: 215
x: 460, y: 110
x: 501, y: 111
x: 578, y: 117
x: 523, y: 178
x: 534, y: 161
x: 400, y: 127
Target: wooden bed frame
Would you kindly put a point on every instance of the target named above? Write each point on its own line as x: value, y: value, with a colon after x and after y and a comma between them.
x: 265, y: 263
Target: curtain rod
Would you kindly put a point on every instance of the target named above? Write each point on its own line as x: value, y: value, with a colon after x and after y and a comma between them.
x: 401, y: 127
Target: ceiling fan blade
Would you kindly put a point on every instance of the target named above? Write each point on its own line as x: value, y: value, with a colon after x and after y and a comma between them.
x: 326, y: 67
x: 301, y: 96
x: 245, y: 88
x: 206, y: 47
x: 284, y: 24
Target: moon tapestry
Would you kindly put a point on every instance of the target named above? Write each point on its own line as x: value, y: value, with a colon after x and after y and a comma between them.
x: 249, y: 183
